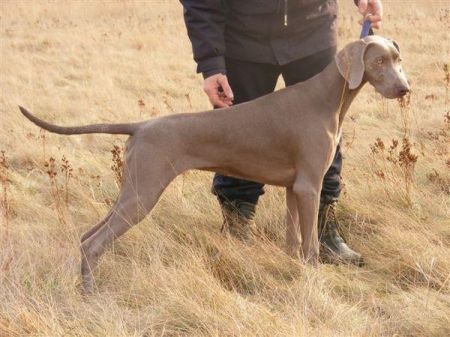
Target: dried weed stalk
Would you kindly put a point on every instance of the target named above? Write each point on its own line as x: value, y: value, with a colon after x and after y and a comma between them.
x: 442, y: 182
x: 447, y: 82
x: 117, y: 166
x: 447, y: 120
x: 405, y: 112
x: 141, y: 105
x: 42, y: 138
x: 60, y: 193
x: 391, y: 161
x: 4, y: 169
x: 188, y: 98
x: 67, y: 170
x: 441, y: 135
x: 407, y: 161
x: 167, y: 103
x: 51, y: 168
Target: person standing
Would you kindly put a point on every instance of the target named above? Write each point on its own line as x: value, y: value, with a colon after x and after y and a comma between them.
x: 241, y: 47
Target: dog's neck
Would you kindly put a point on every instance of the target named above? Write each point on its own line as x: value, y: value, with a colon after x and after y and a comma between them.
x: 336, y: 92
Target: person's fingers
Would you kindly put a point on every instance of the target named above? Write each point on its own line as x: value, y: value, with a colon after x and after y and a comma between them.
x: 376, y: 8
x: 374, y: 19
x: 218, y: 91
x: 376, y: 25
x: 371, y: 10
x: 226, y: 100
x: 212, y: 92
x: 223, y: 81
x: 217, y: 102
x: 362, y: 6
x: 373, y: 7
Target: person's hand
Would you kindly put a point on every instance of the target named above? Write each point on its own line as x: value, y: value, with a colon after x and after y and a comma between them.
x: 371, y: 10
x: 218, y: 90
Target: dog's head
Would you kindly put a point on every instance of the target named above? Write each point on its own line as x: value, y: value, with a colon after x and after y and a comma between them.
x: 377, y: 60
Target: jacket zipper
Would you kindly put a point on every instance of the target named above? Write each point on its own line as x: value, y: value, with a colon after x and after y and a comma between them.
x: 285, y: 12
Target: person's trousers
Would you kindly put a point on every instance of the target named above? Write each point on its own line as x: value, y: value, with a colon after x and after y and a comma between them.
x: 250, y: 80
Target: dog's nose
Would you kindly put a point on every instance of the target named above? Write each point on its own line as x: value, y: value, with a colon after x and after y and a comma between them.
x: 403, y: 90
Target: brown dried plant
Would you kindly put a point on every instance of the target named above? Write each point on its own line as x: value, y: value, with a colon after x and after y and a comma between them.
x: 387, y: 165
x: 188, y: 98
x: 392, y: 152
x: 167, y: 103
x: 447, y: 120
x: 52, y: 172
x: 67, y: 170
x: 442, y: 182
x: 42, y: 138
x: 141, y: 105
x: 447, y: 82
x: 4, y: 169
x: 377, y: 148
x: 117, y: 166
x: 407, y: 161
x: 441, y: 135
x: 404, y: 104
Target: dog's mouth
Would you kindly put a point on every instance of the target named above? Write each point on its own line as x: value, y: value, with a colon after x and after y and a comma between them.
x: 392, y: 93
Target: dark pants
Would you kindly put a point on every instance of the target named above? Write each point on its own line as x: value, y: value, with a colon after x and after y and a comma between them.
x: 250, y: 80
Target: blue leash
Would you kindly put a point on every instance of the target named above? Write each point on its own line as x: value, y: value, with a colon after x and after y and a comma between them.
x: 366, y: 30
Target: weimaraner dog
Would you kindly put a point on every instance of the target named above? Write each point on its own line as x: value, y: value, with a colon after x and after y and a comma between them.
x: 288, y: 139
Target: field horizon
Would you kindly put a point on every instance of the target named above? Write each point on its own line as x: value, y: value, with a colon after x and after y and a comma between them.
x: 175, y: 274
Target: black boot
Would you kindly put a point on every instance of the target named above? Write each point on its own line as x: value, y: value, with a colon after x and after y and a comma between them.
x: 333, y: 248
x: 239, y: 219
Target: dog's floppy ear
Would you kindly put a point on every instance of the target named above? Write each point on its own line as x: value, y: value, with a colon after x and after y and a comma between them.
x: 350, y: 63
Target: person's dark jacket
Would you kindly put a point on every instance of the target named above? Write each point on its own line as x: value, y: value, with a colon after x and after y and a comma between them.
x: 263, y: 31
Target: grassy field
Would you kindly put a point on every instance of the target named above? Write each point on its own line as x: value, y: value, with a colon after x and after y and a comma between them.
x: 174, y: 274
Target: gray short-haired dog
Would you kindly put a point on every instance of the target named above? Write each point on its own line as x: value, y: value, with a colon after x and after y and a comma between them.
x: 288, y: 139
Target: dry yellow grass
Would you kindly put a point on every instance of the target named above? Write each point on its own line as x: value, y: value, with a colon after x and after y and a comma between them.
x: 174, y: 274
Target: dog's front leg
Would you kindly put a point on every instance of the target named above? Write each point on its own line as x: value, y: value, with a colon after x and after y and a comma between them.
x: 292, y: 225
x: 307, y: 194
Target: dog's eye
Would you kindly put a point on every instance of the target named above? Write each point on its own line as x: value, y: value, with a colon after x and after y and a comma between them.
x: 397, y: 58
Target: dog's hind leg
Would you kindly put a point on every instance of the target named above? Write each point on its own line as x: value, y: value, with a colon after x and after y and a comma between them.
x: 86, y: 235
x: 141, y: 189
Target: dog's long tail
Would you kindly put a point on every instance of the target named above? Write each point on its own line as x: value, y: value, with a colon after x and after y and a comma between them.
x: 121, y: 129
